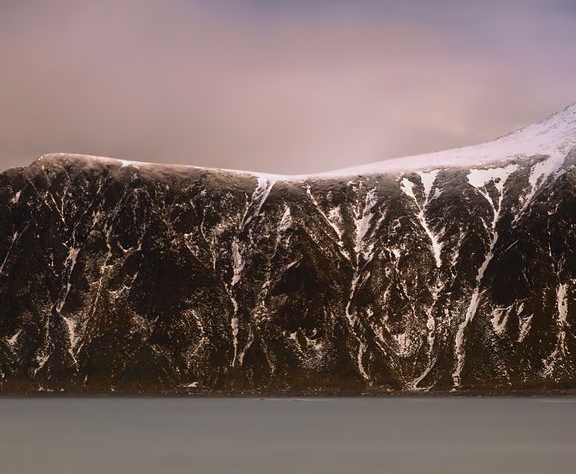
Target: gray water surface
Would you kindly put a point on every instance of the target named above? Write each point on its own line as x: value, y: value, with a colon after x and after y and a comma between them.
x: 368, y: 435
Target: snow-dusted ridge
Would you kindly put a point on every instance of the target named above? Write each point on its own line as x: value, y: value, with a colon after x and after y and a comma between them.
x: 446, y: 271
x: 553, y: 136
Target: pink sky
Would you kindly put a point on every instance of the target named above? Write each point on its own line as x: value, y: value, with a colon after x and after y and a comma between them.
x: 295, y: 87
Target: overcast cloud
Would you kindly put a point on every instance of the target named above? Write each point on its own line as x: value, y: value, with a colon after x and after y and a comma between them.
x: 276, y: 86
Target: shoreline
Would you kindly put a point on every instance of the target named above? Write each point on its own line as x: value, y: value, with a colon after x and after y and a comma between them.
x: 493, y: 393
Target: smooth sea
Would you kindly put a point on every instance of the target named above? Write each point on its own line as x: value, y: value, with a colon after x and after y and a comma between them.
x: 287, y: 435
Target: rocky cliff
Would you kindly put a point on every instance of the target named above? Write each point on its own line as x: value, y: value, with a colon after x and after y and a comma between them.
x: 449, y: 271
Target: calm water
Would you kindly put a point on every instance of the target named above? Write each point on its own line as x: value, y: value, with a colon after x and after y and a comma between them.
x: 431, y: 435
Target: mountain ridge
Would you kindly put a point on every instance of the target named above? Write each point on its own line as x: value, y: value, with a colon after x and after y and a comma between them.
x: 122, y: 277
x: 556, y: 133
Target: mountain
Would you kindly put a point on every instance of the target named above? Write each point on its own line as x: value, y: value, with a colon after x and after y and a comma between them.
x: 453, y: 271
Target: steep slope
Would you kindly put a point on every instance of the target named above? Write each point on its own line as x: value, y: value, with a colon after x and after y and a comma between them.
x: 449, y: 271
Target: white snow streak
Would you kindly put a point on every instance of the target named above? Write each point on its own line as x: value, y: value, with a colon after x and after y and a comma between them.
x: 72, y: 336
x: 259, y: 197
x: 403, y: 343
x: 68, y: 269
x: 405, y: 346
x: 234, y: 327
x: 500, y: 319
x: 285, y: 221
x: 237, y: 262
x: 41, y: 360
x: 364, y: 251
x: 362, y: 226
x: 525, y: 326
x: 407, y: 187
x: 431, y: 339
x: 249, y: 342
x: 332, y: 222
x: 480, y: 179
x: 253, y: 209
x: 560, y: 350
x: 361, y: 352
x: 562, y: 304
x: 428, y: 179
x: 135, y: 164
x: 335, y: 217
x: 14, y: 338
x: 539, y: 175
x: 310, y: 345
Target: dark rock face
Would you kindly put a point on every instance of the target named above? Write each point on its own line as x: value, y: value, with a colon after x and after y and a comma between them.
x: 156, y: 279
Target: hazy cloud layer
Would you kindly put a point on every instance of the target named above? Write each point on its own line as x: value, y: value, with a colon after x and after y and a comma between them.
x: 278, y: 86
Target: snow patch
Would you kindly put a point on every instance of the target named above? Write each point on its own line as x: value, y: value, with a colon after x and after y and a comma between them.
x: 562, y: 304
x: 500, y: 319
x: 542, y: 170
x: 234, y: 327
x: 237, y: 262
x: 14, y: 338
x: 525, y: 326
x: 403, y: 344
x: 428, y: 179
x: 407, y: 188
x: 41, y: 360
x: 560, y: 350
x: 286, y: 220
x: 259, y: 196
x: 361, y: 352
x: 335, y: 217
x: 69, y: 265
x: 362, y: 225
x: 72, y: 336
x: 480, y: 177
x: 459, y: 342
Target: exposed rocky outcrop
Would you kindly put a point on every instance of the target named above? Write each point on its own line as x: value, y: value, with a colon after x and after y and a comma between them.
x: 456, y: 271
